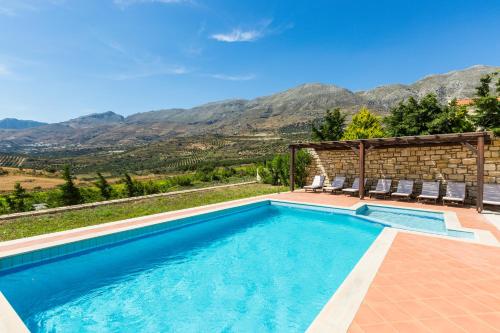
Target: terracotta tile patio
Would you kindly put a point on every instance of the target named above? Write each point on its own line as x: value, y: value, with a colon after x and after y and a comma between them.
x: 427, y: 284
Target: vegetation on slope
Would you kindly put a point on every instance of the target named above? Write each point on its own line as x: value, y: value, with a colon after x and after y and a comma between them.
x: 69, y: 194
x: 32, y: 226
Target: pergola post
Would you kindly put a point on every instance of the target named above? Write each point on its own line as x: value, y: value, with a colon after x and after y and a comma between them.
x: 480, y: 173
x: 292, y: 168
x: 361, y: 169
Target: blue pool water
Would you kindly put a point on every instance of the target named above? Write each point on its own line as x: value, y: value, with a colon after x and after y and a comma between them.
x: 410, y: 219
x: 268, y: 269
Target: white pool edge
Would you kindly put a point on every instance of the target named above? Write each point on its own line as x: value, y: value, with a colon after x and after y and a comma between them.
x: 339, y: 312
x: 9, y: 320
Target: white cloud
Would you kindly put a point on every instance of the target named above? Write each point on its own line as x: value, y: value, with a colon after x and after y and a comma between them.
x: 148, y: 71
x: 246, y: 77
x: 238, y: 35
x: 250, y: 35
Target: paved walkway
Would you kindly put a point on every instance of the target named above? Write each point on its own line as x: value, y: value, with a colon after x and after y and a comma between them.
x: 428, y: 284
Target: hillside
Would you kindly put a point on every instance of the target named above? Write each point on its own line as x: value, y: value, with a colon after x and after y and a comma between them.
x: 15, y: 124
x: 288, y: 111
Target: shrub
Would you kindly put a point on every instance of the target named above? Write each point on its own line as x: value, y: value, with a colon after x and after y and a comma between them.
x: 182, y: 180
x: 90, y: 194
x: 150, y: 187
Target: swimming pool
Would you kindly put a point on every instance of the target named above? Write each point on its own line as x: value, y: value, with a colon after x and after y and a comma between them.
x: 411, y: 219
x: 260, y: 267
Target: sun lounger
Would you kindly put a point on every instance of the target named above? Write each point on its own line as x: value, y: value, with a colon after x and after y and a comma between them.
x: 491, y: 194
x: 354, y: 188
x: 317, y: 184
x: 383, y: 188
x: 430, y: 191
x: 404, y: 190
x: 337, y: 184
x: 455, y: 192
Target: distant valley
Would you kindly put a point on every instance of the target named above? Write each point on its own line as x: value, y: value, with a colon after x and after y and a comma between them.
x: 224, y: 133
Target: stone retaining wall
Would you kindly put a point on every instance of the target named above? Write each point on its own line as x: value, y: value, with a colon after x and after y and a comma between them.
x: 445, y: 163
x: 112, y: 202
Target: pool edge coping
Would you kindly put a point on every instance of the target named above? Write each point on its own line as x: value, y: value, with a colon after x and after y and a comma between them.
x: 10, y: 320
x: 339, y: 312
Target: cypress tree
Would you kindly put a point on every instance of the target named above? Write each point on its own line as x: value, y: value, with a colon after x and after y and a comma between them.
x: 103, y: 186
x: 70, y: 193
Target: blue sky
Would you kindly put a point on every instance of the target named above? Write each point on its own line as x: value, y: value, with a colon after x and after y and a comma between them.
x: 60, y: 59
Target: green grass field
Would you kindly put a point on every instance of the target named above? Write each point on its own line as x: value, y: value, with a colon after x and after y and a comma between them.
x: 31, y: 226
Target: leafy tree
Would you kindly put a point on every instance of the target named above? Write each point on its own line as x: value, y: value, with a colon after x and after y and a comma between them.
x: 70, y: 193
x: 103, y: 186
x: 452, y: 119
x: 131, y: 186
x: 16, y: 201
x: 364, y: 125
x: 427, y: 116
x: 413, y: 117
x: 302, y: 161
x: 332, y: 127
x: 483, y: 89
x: 277, y: 171
x: 487, y: 106
x: 280, y: 168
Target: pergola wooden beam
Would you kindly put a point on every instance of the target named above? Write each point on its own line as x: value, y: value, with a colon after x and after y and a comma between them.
x: 480, y: 173
x: 361, y: 169
x: 292, y: 169
x: 408, y: 141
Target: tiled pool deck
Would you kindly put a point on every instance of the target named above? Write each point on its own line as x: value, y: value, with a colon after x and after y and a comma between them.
x: 428, y: 284
x: 424, y: 284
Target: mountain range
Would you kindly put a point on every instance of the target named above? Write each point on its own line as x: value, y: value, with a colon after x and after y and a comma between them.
x: 287, y: 111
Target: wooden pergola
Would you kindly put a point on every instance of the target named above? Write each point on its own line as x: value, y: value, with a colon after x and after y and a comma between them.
x: 474, y: 141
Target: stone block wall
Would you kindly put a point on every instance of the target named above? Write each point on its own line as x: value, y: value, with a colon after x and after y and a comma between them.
x: 444, y: 163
